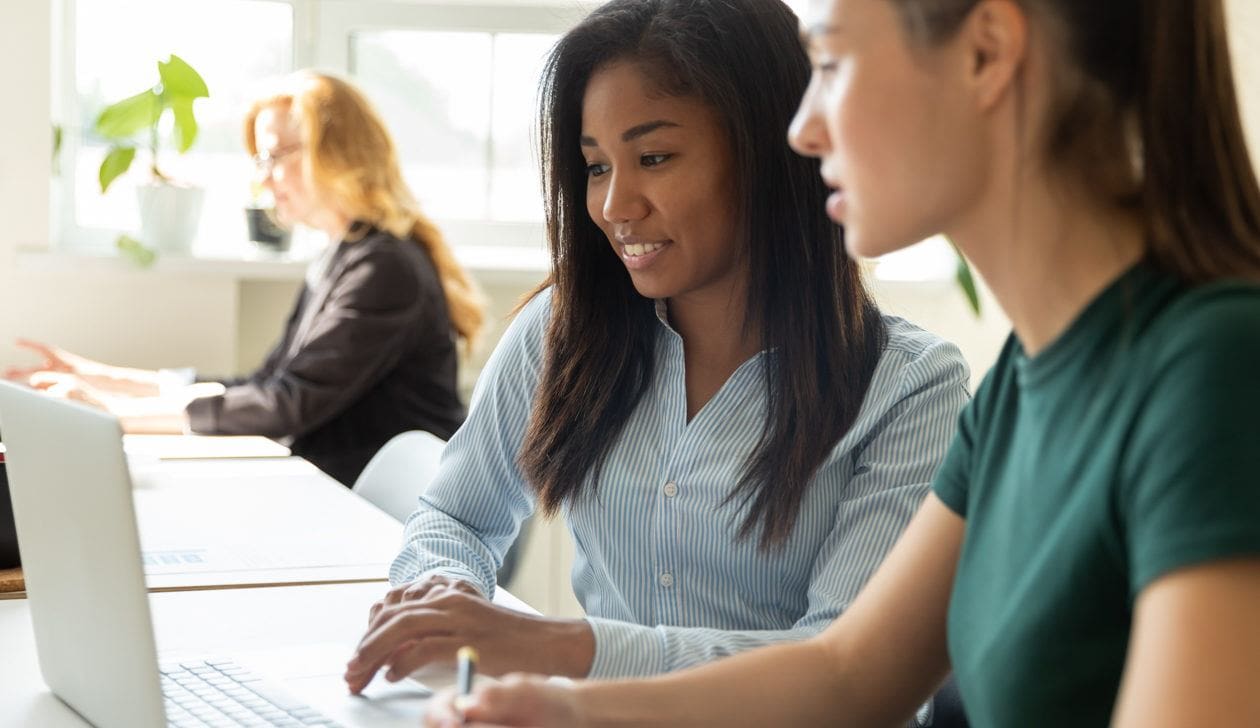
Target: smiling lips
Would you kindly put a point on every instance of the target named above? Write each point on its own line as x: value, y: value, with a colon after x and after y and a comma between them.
x: 637, y: 252
x: 634, y: 250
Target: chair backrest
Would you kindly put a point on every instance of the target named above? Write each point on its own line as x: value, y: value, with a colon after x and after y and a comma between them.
x: 400, y: 471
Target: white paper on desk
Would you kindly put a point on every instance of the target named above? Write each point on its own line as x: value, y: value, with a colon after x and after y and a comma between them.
x: 204, y: 521
x: 203, y: 447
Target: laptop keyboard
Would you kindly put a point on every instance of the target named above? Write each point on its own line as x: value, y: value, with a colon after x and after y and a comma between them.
x: 221, y: 693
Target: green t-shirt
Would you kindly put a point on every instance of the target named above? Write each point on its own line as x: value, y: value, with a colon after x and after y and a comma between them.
x: 1128, y: 448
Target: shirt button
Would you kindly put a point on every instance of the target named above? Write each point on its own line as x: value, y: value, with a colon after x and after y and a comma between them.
x: 667, y: 580
x: 671, y: 490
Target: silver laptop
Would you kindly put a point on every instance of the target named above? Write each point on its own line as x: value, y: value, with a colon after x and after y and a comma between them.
x: 72, y: 504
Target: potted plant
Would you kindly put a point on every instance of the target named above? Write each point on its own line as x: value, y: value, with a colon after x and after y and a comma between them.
x: 169, y: 211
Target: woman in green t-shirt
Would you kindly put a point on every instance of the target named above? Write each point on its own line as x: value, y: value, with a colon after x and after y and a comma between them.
x: 1091, y: 554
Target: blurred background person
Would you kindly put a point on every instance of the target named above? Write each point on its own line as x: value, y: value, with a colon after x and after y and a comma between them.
x: 370, y: 348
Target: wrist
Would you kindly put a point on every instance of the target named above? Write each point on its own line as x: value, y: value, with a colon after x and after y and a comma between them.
x: 567, y: 648
x: 579, y: 706
x: 601, y: 704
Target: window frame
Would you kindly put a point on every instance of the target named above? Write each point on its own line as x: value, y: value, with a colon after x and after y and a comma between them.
x: 340, y: 19
x: 322, y: 32
x: 67, y: 235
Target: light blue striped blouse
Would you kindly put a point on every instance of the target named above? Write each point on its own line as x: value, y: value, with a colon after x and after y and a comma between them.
x: 664, y: 583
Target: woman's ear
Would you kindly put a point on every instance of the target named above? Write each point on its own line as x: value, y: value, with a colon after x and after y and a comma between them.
x: 995, y: 38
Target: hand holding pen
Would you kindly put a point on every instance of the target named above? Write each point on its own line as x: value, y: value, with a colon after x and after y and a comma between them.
x: 517, y: 700
x: 467, y: 668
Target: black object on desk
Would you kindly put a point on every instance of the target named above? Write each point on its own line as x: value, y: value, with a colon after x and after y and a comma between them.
x: 8, y: 534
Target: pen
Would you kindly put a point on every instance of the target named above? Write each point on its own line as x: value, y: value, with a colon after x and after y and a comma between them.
x: 467, y: 658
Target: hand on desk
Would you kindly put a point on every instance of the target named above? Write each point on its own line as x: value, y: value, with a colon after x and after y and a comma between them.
x: 66, y: 386
x: 426, y: 622
x: 93, y: 375
x: 55, y: 360
x: 131, y: 395
x: 518, y: 700
x: 137, y: 415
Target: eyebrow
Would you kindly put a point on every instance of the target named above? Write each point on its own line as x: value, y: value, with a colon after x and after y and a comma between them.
x: 633, y: 132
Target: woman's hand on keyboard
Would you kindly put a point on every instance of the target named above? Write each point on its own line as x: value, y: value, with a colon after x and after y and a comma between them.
x: 418, y: 590
x: 406, y: 634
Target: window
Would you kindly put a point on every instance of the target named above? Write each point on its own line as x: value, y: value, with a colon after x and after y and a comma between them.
x: 462, y: 107
x: 455, y: 82
x: 114, y: 54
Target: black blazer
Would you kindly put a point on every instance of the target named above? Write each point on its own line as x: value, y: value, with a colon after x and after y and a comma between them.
x: 367, y: 353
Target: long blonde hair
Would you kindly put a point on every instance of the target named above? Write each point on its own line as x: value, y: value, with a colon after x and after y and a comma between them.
x: 351, y: 161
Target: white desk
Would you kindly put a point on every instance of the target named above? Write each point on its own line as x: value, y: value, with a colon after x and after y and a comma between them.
x: 255, y: 521
x: 201, y: 447
x: 239, y: 623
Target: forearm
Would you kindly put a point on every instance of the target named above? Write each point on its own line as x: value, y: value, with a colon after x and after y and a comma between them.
x: 121, y: 380
x: 154, y: 423
x: 157, y: 415
x: 627, y: 650
x: 872, y: 667
x: 792, y: 684
x: 563, y: 647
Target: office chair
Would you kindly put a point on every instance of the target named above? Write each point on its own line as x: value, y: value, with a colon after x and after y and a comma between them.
x: 396, y: 475
x: 400, y: 471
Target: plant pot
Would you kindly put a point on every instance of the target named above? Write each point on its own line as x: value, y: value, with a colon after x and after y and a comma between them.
x: 169, y: 215
x: 264, y: 230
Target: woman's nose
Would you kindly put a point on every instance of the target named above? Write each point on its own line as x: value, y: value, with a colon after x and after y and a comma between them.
x: 624, y: 200
x: 807, y: 133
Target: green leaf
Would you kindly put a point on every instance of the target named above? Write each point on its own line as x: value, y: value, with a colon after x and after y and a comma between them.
x: 129, y: 116
x: 56, y: 153
x: 135, y: 251
x: 185, y: 123
x: 179, y: 80
x: 962, y: 274
x: 117, y: 161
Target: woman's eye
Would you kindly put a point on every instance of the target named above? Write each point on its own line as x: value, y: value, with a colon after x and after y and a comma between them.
x: 595, y: 169
x: 652, y: 160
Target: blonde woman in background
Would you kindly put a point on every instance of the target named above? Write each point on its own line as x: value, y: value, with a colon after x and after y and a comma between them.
x: 369, y: 350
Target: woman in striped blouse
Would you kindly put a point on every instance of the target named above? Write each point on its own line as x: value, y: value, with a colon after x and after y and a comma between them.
x: 704, y: 390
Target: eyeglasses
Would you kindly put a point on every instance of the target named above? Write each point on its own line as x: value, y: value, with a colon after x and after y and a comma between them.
x: 266, y: 160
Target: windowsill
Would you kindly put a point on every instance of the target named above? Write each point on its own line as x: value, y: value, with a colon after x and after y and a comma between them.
x: 487, y: 262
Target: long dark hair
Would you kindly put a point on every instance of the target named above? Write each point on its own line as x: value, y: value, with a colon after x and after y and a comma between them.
x: 1147, y: 113
x: 806, y: 297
